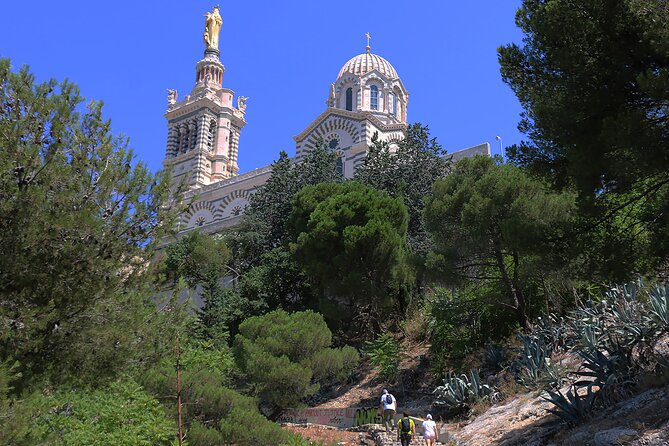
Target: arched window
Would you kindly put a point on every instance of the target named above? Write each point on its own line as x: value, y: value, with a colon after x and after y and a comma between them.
x: 394, y: 105
x: 185, y: 139
x: 193, y: 134
x: 374, y: 100
x: 349, y: 99
x: 212, y: 135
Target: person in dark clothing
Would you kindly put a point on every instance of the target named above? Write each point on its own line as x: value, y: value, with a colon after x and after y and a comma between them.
x: 406, y: 429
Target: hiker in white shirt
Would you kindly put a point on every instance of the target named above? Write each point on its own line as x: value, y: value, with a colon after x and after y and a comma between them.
x: 429, y: 431
x: 387, y: 408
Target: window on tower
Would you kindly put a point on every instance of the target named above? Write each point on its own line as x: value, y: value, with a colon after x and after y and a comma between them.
x: 212, y: 135
x: 394, y: 105
x: 193, y: 136
x: 185, y: 139
x: 349, y: 99
x: 374, y: 100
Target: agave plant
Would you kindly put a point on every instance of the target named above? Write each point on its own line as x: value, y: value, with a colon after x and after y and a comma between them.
x: 659, y: 306
x: 552, y: 376
x: 459, y: 391
x: 590, y: 335
x: 574, y: 406
x: 531, y: 361
x: 554, y: 332
x: 614, y: 371
x: 494, y: 357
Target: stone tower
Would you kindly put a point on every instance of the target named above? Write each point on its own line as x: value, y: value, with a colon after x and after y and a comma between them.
x: 204, y: 127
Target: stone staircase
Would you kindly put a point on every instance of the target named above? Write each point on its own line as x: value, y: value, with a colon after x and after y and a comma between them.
x: 384, y: 438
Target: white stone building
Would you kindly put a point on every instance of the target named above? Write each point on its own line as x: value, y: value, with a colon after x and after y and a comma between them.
x: 204, y: 128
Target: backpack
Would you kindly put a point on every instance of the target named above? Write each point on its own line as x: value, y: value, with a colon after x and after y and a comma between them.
x: 389, y: 399
x: 406, y: 426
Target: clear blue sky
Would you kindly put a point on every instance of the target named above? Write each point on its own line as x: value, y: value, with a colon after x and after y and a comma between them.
x: 282, y: 55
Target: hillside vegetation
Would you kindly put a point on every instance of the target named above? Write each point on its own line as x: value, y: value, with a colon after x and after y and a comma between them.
x: 506, y: 269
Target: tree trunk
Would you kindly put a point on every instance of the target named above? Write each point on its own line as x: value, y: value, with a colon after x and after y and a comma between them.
x: 514, y: 292
x: 520, y: 296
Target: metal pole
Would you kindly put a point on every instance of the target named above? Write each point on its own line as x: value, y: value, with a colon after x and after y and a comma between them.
x: 501, y: 148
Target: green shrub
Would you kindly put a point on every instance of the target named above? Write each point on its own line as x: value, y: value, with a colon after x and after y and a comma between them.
x: 286, y: 357
x: 252, y: 429
x: 297, y: 336
x: 335, y: 364
x: 461, y: 322
x: 122, y: 414
x: 384, y: 353
x: 241, y: 428
x: 201, y: 435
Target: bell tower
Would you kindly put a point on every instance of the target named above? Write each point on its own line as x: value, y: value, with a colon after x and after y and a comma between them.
x: 204, y: 127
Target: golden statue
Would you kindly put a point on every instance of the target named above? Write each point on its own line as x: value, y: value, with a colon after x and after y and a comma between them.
x: 212, y: 27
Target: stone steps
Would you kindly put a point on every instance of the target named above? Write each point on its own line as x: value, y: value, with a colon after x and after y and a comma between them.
x: 390, y: 439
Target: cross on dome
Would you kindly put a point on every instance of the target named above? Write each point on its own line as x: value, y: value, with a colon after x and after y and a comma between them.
x: 368, y: 48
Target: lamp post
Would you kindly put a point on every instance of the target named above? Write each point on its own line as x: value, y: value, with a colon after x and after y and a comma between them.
x: 501, y: 149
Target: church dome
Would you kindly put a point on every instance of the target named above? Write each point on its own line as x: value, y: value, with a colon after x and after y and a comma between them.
x: 366, y: 62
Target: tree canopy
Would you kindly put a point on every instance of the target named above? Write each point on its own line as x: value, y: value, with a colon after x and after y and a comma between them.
x: 407, y: 169
x: 593, y: 77
x: 363, y: 232
x: 270, y: 207
x: 78, y: 217
x: 493, y: 222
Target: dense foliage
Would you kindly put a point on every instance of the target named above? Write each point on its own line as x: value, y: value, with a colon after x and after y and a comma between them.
x: 593, y: 81
x: 407, y: 168
x: 491, y: 222
x: 77, y: 221
x: 270, y: 207
x: 366, y: 270
x: 286, y: 357
x: 593, y: 78
x: 472, y: 251
x: 121, y: 414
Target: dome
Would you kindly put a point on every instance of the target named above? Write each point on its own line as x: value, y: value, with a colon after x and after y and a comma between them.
x: 366, y: 62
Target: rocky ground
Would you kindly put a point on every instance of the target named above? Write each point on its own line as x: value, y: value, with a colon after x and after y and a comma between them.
x: 522, y: 419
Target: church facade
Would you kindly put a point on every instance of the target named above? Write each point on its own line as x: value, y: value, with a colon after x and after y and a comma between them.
x: 204, y: 129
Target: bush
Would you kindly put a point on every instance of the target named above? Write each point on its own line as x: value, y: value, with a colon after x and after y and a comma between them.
x: 384, y: 353
x: 287, y: 356
x: 242, y: 429
x: 463, y: 321
x: 334, y: 365
x: 122, y: 414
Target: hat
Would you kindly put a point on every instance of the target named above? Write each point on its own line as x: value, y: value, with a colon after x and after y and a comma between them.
x: 385, y: 391
x: 429, y: 417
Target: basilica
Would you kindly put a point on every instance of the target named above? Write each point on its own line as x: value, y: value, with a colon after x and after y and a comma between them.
x: 204, y: 128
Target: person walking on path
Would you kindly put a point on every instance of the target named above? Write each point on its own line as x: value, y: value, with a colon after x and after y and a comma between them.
x: 387, y: 409
x: 406, y: 429
x: 429, y: 431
